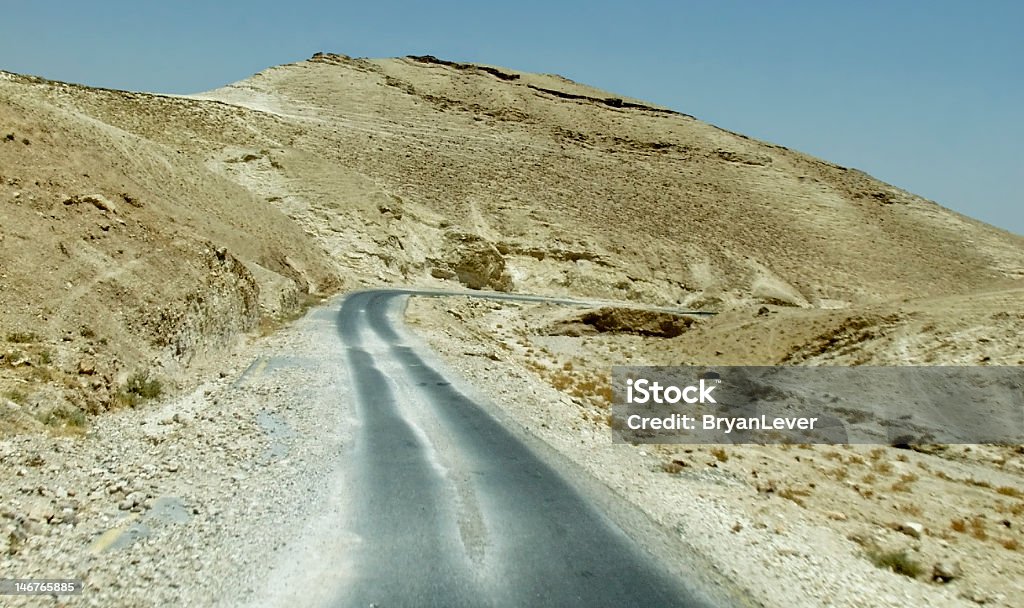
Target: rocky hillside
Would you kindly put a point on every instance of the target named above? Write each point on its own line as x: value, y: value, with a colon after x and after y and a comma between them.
x: 123, y: 256
x: 141, y: 234
x: 416, y: 166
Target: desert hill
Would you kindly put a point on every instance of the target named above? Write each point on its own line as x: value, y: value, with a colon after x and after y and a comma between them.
x: 144, y: 233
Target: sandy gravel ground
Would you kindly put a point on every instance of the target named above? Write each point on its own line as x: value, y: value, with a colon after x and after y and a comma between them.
x: 191, y: 502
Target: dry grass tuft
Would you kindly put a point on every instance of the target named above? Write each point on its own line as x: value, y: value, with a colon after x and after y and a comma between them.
x: 897, y: 561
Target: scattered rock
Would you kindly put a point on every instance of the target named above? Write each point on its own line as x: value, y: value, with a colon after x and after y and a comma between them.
x: 41, y: 512
x: 475, y: 261
x: 945, y: 571
x: 96, y: 200
x: 911, y: 528
x: 442, y: 273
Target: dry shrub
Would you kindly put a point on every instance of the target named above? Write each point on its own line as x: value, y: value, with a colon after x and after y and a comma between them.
x: 839, y: 473
x: 978, y: 527
x: 882, y: 467
x: 897, y: 561
x: 561, y: 381
x: 22, y: 337
x: 794, y: 494
x: 903, y: 485
x: 911, y: 509
x: 672, y: 467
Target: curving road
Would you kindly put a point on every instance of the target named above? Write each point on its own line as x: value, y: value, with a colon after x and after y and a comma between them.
x: 451, y: 509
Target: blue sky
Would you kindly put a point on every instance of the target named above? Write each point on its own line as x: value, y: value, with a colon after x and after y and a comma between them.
x: 925, y: 95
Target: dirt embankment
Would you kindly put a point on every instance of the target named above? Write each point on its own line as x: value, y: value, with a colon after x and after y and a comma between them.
x: 125, y: 261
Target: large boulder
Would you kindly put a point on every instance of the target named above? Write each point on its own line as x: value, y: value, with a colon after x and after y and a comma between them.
x: 474, y: 261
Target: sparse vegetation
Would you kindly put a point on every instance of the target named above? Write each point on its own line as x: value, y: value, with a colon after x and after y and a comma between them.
x: 838, y: 473
x: 270, y: 324
x: 882, y: 467
x: 904, y: 483
x: 22, y: 337
x: 978, y: 527
x: 68, y: 417
x: 138, y: 388
x: 590, y: 386
x: 40, y: 374
x: 720, y: 454
x: 911, y: 509
x: 796, y: 495
x: 895, y: 560
x: 672, y: 467
x: 16, y: 396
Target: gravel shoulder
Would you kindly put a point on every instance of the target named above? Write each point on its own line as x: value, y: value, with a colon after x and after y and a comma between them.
x: 192, y: 501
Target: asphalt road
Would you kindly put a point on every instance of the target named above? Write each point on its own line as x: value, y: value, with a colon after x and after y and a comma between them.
x: 452, y: 509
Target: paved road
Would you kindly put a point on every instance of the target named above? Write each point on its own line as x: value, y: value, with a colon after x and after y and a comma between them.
x: 451, y: 509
